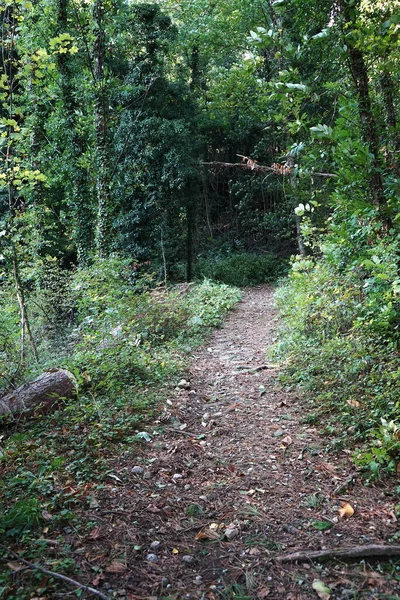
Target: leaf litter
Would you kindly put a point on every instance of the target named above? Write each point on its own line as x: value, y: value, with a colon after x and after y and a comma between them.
x: 226, y: 475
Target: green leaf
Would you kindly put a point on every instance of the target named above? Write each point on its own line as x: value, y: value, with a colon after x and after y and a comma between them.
x: 321, y: 131
x: 322, y: 525
x: 322, y: 34
x: 323, y: 591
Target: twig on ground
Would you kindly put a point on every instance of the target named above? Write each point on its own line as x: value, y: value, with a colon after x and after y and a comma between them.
x: 36, y: 567
x: 344, y: 485
x: 181, y: 432
x: 243, y: 370
x: 343, y: 553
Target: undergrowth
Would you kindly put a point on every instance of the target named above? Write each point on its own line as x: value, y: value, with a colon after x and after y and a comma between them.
x: 340, y: 345
x: 242, y: 269
x: 127, y: 344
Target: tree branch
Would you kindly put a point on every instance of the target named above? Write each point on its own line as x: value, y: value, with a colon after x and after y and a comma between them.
x: 343, y: 553
x: 34, y: 566
x: 277, y: 169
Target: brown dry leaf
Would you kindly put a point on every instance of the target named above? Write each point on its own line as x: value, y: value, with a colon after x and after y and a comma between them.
x: 116, y: 566
x: 97, y: 579
x: 46, y: 515
x: 375, y: 579
x: 95, y: 533
x: 324, y: 466
x: 15, y: 566
x: 286, y: 441
x: 353, y: 403
x: 210, y: 534
x: 263, y: 593
x: 346, y: 511
x: 153, y: 509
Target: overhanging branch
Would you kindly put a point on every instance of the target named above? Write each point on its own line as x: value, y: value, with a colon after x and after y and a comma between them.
x: 251, y: 165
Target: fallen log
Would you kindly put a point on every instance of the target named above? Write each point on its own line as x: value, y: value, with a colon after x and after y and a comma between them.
x: 40, y: 395
x: 369, y: 550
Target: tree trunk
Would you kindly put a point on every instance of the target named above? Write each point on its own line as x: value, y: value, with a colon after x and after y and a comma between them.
x: 81, y: 207
x: 368, y: 126
x: 40, y: 395
x: 388, y: 92
x: 190, y: 226
x: 100, y: 118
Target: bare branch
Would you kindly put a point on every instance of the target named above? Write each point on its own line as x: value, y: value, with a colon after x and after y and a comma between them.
x: 342, y: 553
x: 252, y: 165
x: 36, y: 567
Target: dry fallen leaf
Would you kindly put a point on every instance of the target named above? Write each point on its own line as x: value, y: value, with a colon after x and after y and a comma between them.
x: 175, y: 551
x: 95, y: 533
x: 286, y: 441
x: 353, y: 403
x: 116, y: 566
x: 263, y: 593
x: 97, y: 579
x: 375, y: 579
x: 346, y: 511
x: 14, y: 566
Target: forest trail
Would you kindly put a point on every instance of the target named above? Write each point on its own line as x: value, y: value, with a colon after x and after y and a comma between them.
x: 236, y: 478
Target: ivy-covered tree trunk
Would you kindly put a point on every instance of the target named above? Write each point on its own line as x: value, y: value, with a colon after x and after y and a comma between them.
x: 101, y: 130
x: 12, y: 87
x: 388, y: 93
x: 369, y: 132
x: 81, y: 205
x: 190, y: 229
x: 367, y: 122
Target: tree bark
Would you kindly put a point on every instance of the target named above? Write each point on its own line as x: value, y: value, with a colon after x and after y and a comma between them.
x: 342, y: 553
x: 40, y: 395
x: 369, y: 131
x: 388, y: 92
x: 101, y: 129
x: 81, y: 205
x: 368, y: 126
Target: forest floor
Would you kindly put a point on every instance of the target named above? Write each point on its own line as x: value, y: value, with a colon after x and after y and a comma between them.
x: 235, y: 477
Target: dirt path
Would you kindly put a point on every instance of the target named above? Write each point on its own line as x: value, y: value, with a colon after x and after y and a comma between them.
x: 236, y: 478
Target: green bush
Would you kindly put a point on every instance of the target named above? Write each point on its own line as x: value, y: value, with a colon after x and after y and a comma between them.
x: 242, y: 269
x: 339, y: 341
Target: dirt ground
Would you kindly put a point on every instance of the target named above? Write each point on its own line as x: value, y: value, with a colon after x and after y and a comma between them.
x: 233, y: 478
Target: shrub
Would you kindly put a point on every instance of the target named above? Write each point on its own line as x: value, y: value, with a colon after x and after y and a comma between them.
x: 242, y: 269
x: 339, y: 340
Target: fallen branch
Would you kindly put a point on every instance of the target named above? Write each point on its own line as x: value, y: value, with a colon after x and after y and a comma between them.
x: 243, y: 370
x: 36, y: 567
x: 180, y: 432
x: 343, y: 553
x: 40, y: 395
x: 344, y: 485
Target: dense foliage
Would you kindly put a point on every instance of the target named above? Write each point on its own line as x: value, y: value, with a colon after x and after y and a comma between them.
x: 164, y: 141
x: 146, y: 144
